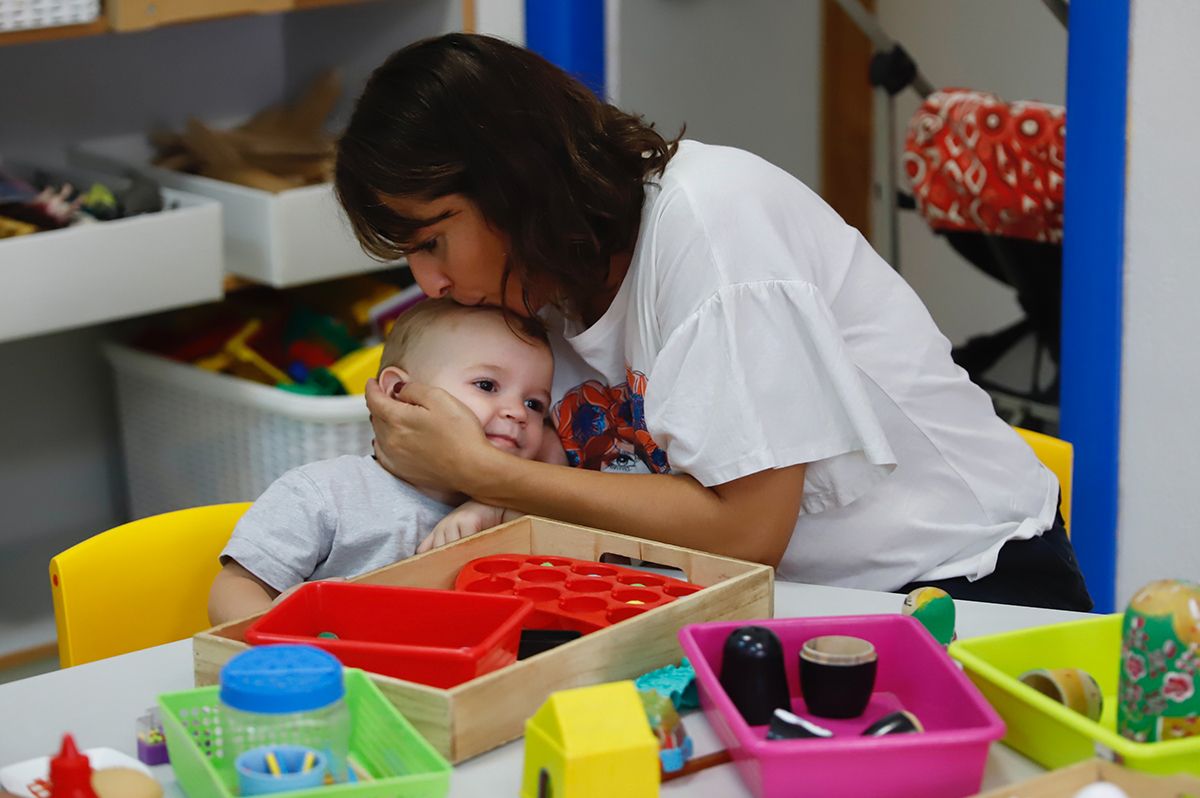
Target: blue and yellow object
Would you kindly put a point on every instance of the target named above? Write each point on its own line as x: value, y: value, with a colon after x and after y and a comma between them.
x: 283, y: 768
x: 591, y: 742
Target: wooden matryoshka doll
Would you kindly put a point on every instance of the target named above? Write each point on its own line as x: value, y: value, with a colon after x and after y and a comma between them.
x: 1158, y: 699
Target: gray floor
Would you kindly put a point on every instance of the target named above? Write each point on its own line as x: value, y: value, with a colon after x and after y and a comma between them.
x: 29, y: 669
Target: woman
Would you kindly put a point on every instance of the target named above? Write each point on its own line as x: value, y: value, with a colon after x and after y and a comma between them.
x: 736, y: 370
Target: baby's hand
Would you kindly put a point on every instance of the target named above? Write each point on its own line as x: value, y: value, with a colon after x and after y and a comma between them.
x: 468, y: 519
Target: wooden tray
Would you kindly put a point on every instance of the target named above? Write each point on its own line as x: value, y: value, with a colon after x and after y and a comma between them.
x: 481, y: 714
x: 1068, y: 781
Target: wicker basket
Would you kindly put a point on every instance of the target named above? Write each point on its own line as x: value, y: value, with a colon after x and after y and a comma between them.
x: 191, y: 437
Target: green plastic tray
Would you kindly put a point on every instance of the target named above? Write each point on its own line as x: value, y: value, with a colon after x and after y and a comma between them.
x: 1046, y: 731
x: 402, y: 763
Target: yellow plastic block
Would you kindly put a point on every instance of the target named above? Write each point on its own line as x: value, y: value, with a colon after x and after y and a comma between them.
x: 353, y: 370
x: 591, y: 742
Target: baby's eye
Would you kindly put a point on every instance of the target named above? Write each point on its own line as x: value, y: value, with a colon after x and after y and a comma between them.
x: 536, y: 405
x: 487, y: 386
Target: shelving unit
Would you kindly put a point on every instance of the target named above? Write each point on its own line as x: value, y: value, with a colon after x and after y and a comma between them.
x: 135, y: 15
x: 61, y: 457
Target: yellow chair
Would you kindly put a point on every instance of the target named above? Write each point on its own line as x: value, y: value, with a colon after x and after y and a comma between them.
x: 140, y: 584
x: 1059, y: 457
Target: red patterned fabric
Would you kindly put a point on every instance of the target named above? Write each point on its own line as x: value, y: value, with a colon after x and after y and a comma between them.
x: 979, y: 164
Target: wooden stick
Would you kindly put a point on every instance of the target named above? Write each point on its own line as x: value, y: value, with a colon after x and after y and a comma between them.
x: 698, y: 764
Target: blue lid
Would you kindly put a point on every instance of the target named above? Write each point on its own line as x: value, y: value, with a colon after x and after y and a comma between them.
x: 283, y: 678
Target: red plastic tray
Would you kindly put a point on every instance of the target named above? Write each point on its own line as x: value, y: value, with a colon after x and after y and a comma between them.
x: 435, y: 637
x: 580, y: 595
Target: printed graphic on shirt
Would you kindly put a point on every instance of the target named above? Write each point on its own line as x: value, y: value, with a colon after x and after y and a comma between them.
x: 604, y: 427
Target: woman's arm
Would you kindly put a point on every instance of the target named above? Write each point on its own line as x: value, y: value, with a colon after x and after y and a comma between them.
x: 430, y: 439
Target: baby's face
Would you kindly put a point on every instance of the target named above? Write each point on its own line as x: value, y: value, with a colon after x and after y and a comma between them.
x: 503, y: 379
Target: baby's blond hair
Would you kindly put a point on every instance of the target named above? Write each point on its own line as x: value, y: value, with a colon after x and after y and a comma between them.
x: 418, y: 320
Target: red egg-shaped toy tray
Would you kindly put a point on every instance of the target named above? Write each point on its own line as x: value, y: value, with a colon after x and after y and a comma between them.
x: 567, y: 593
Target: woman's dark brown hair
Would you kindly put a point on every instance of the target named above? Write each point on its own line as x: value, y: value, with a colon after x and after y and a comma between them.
x: 547, y: 162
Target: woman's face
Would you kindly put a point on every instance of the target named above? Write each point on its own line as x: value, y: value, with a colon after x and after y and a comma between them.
x: 461, y: 256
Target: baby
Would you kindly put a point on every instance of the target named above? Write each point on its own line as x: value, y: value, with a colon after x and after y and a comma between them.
x: 346, y: 516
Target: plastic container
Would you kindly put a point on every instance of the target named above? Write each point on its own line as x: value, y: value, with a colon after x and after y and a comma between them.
x: 30, y: 14
x: 256, y: 778
x: 292, y: 237
x: 1046, y: 731
x: 436, y: 637
x: 191, y: 437
x: 578, y: 595
x: 286, y: 695
x: 383, y: 745
x: 914, y: 673
x: 92, y: 273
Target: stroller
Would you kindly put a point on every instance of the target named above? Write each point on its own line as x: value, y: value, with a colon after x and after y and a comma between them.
x: 987, y: 176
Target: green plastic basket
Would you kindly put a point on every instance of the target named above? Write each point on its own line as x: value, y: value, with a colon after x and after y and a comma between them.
x: 401, y: 762
x: 1046, y: 731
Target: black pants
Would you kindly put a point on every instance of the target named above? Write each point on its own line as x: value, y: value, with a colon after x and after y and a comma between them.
x: 1039, y: 572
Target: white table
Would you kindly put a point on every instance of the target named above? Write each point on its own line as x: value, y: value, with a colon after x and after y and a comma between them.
x: 100, y: 702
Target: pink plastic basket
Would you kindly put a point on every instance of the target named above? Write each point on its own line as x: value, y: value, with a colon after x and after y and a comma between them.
x: 945, y: 761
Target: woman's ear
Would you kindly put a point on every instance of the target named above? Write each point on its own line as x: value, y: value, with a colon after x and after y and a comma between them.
x: 392, y: 380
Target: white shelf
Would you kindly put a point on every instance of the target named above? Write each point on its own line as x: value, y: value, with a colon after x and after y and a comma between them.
x: 281, y: 239
x: 94, y: 273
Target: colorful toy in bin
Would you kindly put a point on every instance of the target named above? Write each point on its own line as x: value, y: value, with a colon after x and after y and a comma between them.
x: 591, y: 742
x: 436, y: 637
x: 238, y: 356
x: 280, y: 768
x: 569, y: 593
x: 1160, y: 660
x: 1074, y: 688
x: 934, y: 608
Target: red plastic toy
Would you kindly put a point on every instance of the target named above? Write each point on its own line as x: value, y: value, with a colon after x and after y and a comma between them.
x: 435, y: 637
x: 581, y: 595
x: 70, y: 772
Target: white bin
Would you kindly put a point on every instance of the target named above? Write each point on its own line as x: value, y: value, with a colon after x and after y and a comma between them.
x: 191, y: 437
x: 31, y: 14
x: 282, y: 239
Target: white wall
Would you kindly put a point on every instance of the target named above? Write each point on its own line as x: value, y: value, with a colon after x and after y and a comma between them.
x: 1160, y: 380
x: 1015, y: 49
x: 742, y: 73
x: 503, y: 18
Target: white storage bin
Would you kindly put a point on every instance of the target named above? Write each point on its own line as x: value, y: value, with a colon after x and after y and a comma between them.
x: 30, y: 14
x: 192, y: 437
x: 281, y: 239
x: 81, y: 275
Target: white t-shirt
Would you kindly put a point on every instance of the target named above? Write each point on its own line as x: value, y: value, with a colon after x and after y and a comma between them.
x: 755, y: 330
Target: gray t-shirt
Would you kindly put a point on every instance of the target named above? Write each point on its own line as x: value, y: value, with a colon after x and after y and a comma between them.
x: 339, y: 517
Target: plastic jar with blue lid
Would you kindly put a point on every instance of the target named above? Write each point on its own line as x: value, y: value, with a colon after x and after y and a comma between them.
x: 286, y: 695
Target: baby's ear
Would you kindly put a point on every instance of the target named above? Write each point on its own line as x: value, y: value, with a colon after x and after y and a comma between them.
x: 392, y: 379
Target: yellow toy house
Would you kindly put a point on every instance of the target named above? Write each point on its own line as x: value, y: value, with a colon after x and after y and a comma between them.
x: 591, y: 742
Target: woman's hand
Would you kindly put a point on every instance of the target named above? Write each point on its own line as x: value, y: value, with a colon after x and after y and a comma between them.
x: 468, y: 519
x: 427, y: 437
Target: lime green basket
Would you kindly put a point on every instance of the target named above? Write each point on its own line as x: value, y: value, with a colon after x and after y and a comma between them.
x: 402, y: 764
x: 1046, y: 731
